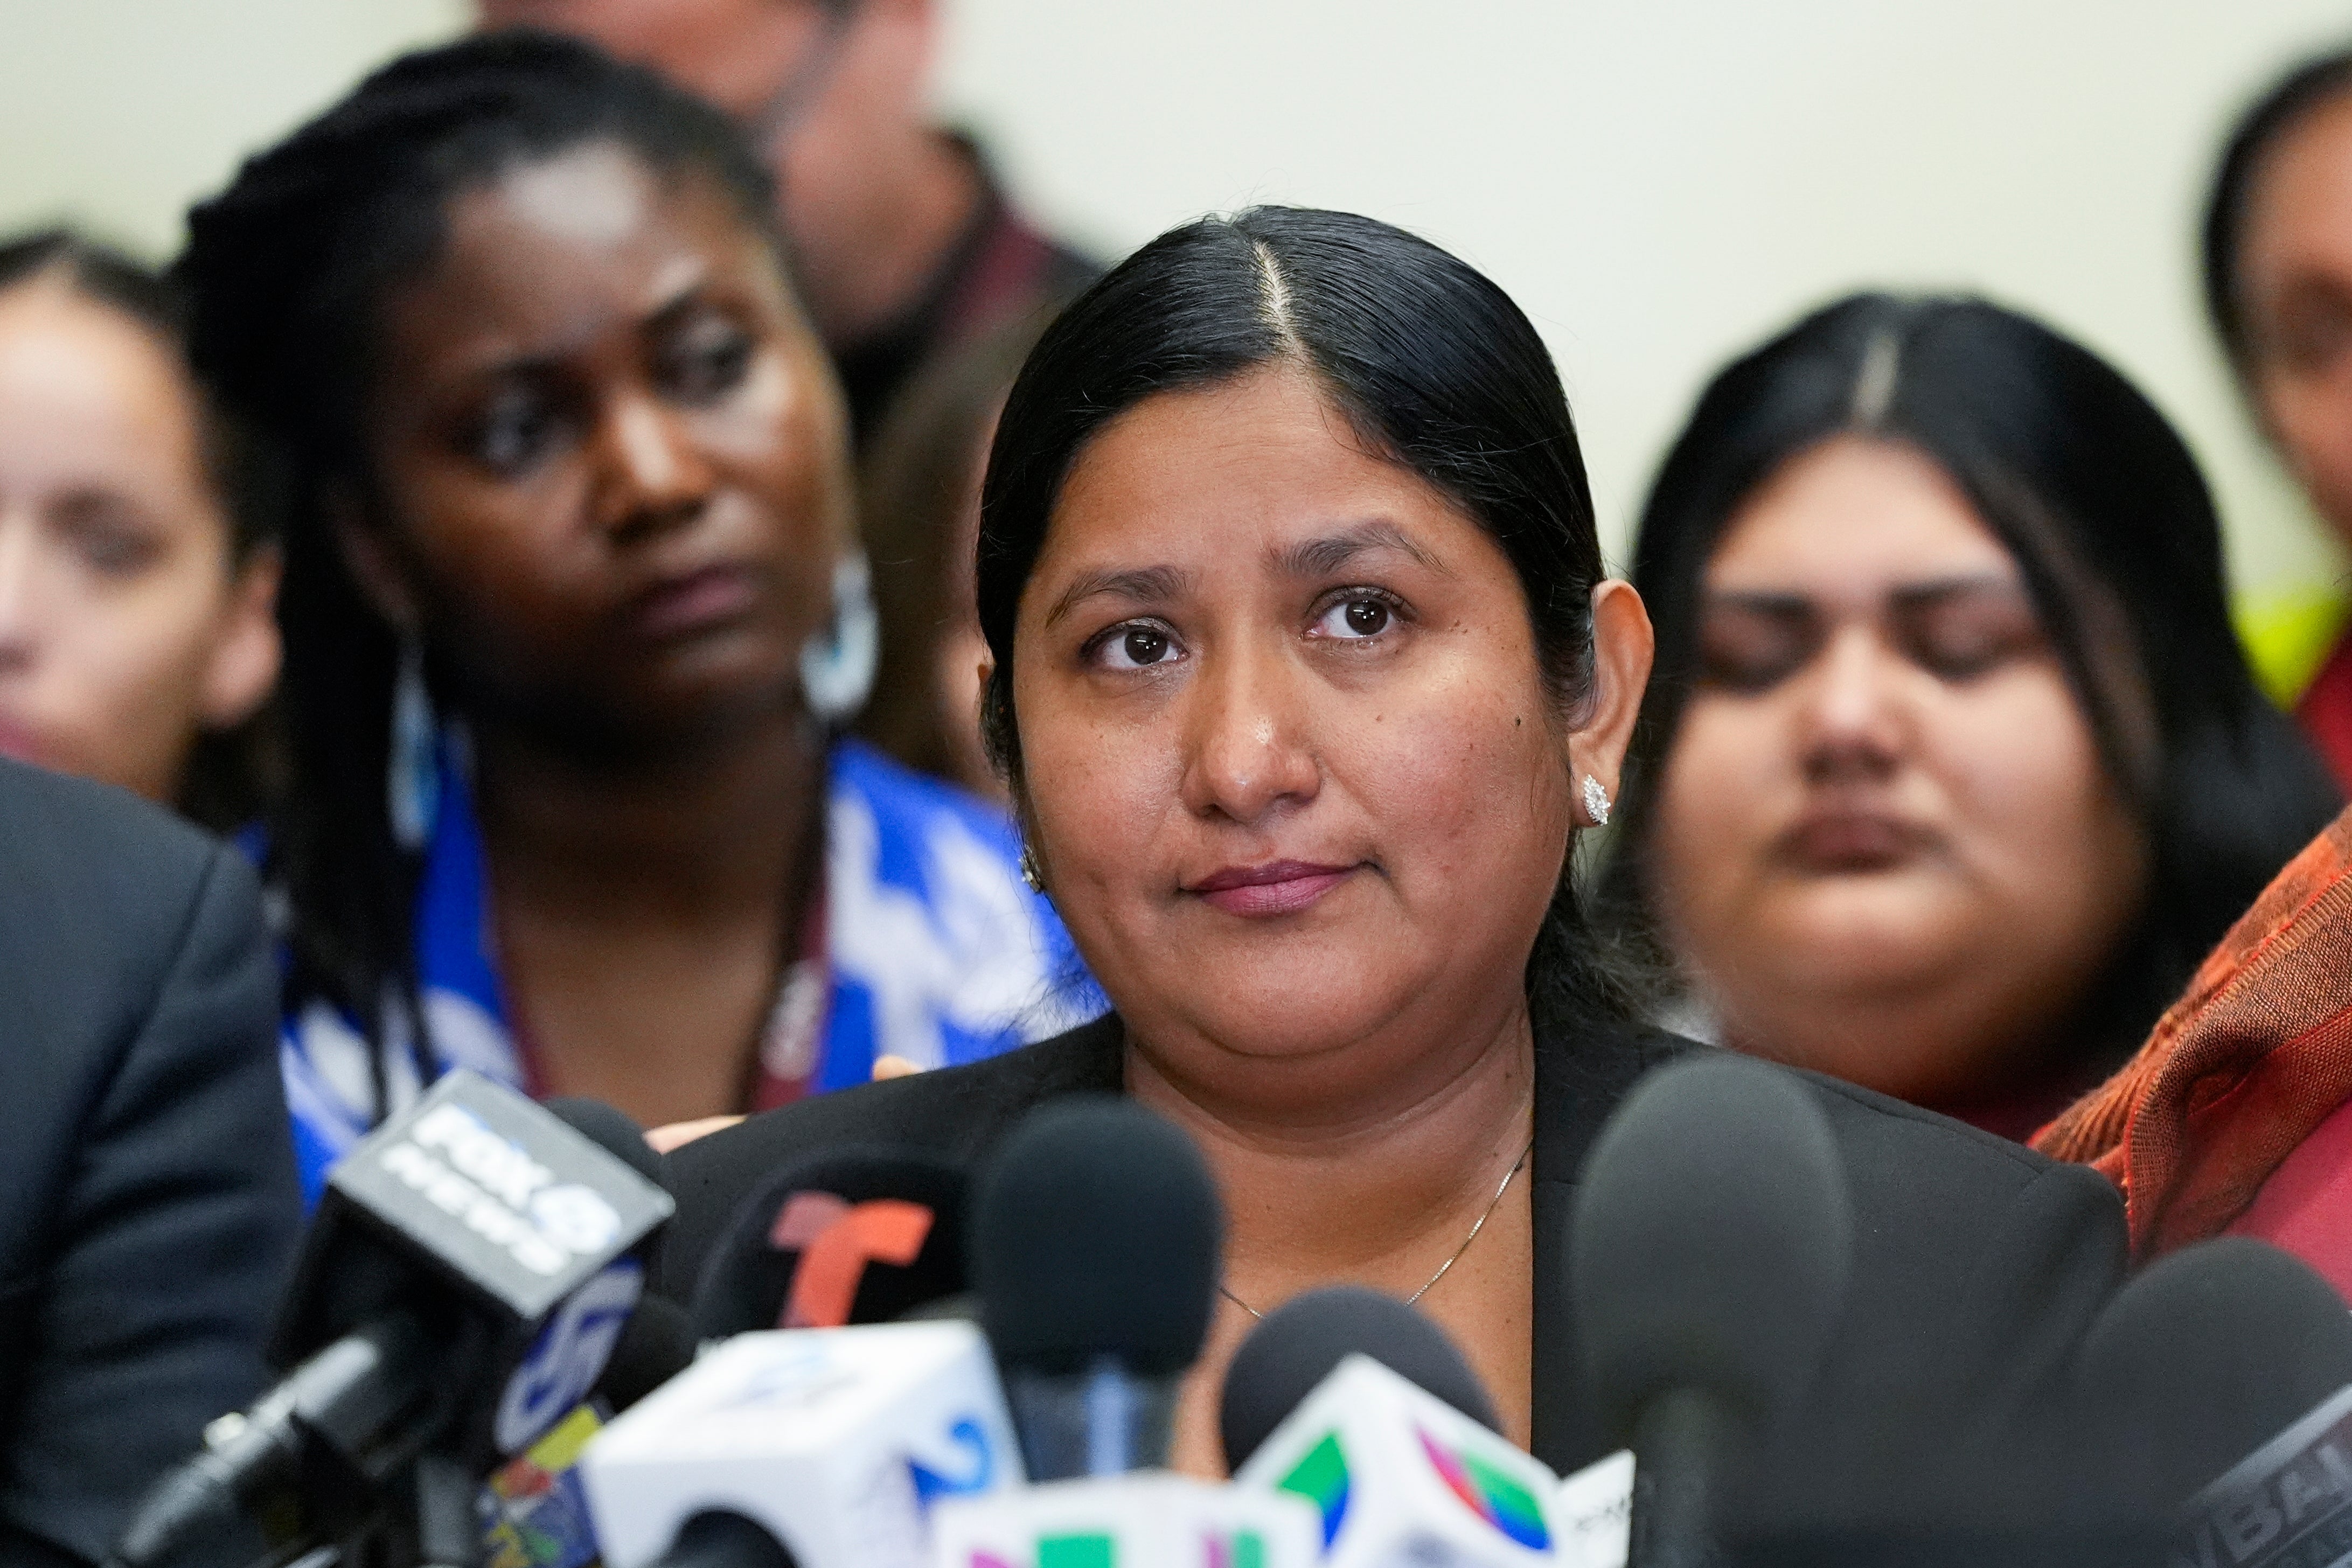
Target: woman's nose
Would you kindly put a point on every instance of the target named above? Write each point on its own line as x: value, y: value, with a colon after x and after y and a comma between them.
x: 653, y: 475
x: 1854, y: 720
x: 1248, y: 754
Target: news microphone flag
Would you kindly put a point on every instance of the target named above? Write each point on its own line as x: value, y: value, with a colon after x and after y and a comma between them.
x: 1592, y: 1513
x: 836, y: 1441
x: 2286, y: 1505
x: 1146, y: 1519
x: 1398, y: 1475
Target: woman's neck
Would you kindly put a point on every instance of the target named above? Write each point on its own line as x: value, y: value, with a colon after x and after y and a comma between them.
x: 695, y: 833
x: 643, y: 916
x: 1422, y: 1196
x: 1358, y: 1191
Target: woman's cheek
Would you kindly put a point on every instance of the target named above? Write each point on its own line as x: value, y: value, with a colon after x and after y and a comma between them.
x: 1716, y: 811
x: 2019, y: 764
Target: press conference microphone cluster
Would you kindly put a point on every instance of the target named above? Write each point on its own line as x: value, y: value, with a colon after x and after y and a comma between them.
x: 462, y: 1287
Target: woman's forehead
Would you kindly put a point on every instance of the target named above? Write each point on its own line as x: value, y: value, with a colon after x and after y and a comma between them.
x: 1258, y: 473
x: 1859, y: 514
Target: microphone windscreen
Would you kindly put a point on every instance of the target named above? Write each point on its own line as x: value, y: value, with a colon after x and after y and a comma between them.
x: 609, y: 1130
x: 655, y: 1345
x: 1096, y: 1235
x: 1302, y: 1341
x: 858, y: 1235
x: 1711, y: 1241
x: 2206, y: 1355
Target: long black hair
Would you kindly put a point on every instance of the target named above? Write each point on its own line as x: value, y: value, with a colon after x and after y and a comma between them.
x: 1431, y: 365
x: 287, y: 269
x: 2304, y: 90
x: 229, y: 772
x: 2100, y: 504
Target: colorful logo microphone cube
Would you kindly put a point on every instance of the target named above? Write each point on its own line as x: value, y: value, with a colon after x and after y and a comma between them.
x: 1151, y: 1519
x: 1397, y: 1474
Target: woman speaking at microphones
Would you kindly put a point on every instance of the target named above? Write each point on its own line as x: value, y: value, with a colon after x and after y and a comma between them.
x: 1305, y: 678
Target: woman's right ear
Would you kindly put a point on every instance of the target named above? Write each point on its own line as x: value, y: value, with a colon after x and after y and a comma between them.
x: 368, y: 557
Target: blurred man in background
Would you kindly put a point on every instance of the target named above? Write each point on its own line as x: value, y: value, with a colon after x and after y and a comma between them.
x: 907, y: 247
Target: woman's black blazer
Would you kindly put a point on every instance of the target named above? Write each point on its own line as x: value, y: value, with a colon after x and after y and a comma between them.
x: 1978, y: 1263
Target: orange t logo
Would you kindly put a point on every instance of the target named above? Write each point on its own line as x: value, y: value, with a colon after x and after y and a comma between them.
x: 836, y: 1239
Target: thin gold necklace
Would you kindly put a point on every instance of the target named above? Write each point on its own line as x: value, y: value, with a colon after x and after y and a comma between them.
x: 1492, y: 1204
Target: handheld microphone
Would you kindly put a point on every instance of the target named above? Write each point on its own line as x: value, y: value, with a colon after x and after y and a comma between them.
x: 1151, y: 1519
x: 1712, y: 1240
x: 1299, y: 1343
x: 1400, y: 1468
x: 835, y: 1442
x: 459, y: 1291
x: 2227, y: 1356
x: 849, y: 1236
x: 1096, y: 1238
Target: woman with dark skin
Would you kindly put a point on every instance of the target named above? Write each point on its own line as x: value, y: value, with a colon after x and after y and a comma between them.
x: 1306, y: 677
x: 573, y: 473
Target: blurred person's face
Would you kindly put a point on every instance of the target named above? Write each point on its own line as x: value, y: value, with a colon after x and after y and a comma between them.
x: 1885, y: 847
x: 2295, y: 279
x: 1289, y: 761
x: 836, y: 119
x: 733, y: 52
x: 608, y: 453
x: 127, y: 627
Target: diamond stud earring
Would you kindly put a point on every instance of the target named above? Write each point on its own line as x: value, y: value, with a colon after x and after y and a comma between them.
x: 1596, y: 801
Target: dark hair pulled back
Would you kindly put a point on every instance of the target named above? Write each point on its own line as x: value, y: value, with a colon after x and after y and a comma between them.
x: 1431, y: 365
x: 230, y: 773
x: 2307, y: 87
x: 288, y: 270
x: 2100, y: 504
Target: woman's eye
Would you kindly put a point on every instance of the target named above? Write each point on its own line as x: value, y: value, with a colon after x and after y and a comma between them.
x: 1750, y: 653
x: 708, y: 361
x: 1974, y: 636
x: 515, y: 431
x: 1135, y: 647
x: 1356, y: 618
x: 110, y: 541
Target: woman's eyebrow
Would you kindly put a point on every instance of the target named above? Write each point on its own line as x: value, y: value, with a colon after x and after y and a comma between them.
x: 1938, y: 590
x: 1322, y: 557
x: 1150, y: 584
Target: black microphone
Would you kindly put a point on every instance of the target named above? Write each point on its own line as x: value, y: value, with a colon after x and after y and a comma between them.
x: 852, y: 1235
x: 657, y: 1343
x: 1300, y: 1342
x: 1712, y: 1240
x: 2199, y: 1361
x: 460, y: 1289
x: 1095, y: 1241
x: 721, y: 1538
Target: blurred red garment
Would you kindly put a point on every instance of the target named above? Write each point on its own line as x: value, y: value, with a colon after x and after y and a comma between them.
x: 2324, y: 712
x: 2229, y: 1118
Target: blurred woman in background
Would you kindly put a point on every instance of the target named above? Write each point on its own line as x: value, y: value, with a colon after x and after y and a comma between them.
x: 1952, y: 769
x: 137, y: 575
x: 2278, y: 289
x: 574, y: 615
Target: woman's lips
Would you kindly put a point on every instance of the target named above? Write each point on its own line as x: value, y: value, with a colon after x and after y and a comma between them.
x: 682, y: 606
x: 1276, y: 887
x: 22, y: 743
x: 1831, y: 842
